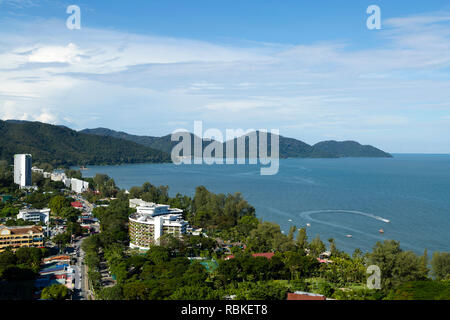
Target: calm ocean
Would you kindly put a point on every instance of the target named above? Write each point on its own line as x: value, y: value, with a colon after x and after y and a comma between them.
x: 337, y: 197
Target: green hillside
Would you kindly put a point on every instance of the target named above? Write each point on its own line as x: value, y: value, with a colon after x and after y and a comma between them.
x: 60, y: 145
x: 288, y: 147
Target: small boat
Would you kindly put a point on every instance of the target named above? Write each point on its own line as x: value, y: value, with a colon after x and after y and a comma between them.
x: 290, y: 220
x: 349, y: 236
x: 381, y: 231
x: 308, y: 224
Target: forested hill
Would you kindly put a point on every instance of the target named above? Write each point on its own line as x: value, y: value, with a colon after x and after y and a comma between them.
x: 288, y: 147
x: 159, y: 143
x: 59, y: 145
x: 340, y: 149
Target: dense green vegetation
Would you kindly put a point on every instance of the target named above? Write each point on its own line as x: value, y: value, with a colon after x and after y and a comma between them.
x: 61, y: 146
x: 165, y: 271
x: 55, y: 292
x: 441, y: 265
x: 169, y: 270
x: 18, y: 270
x: 164, y: 144
x: 70, y: 173
x: 7, y: 185
x: 422, y: 290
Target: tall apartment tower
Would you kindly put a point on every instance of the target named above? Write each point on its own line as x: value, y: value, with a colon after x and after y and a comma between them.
x: 22, y: 170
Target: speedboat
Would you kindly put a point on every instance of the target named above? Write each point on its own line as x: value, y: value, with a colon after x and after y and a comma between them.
x: 381, y: 231
x: 308, y: 224
x: 349, y: 236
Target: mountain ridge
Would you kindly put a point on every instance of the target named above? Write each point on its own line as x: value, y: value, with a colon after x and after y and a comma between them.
x: 288, y: 147
x: 60, y: 145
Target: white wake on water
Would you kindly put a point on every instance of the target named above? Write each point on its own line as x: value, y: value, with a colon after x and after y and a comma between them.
x: 365, y: 214
x: 308, y: 214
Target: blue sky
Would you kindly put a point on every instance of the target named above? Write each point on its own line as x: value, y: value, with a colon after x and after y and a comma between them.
x: 311, y: 69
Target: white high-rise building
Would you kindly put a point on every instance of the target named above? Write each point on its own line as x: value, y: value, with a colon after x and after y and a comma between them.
x: 22, y: 170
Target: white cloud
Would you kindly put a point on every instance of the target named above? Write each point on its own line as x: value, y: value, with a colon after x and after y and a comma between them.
x: 151, y: 85
x: 68, y: 54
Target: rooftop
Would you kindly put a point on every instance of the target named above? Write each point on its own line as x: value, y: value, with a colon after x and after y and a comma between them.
x: 21, y: 230
x: 300, y: 295
x: 151, y: 211
x: 76, y: 204
x: 267, y: 255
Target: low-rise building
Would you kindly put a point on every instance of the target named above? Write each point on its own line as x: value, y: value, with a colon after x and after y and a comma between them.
x: 34, y: 215
x: 77, y: 204
x: 150, y: 222
x: 300, y: 295
x: 16, y: 237
x: 267, y: 255
x: 59, y: 258
x: 56, y: 272
x: 37, y: 170
x: 58, y: 176
x: 79, y: 186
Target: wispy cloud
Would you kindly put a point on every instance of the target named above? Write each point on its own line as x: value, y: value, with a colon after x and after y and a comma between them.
x: 149, y: 84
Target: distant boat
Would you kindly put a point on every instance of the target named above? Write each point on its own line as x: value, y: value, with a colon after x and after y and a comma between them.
x: 381, y: 231
x: 290, y: 220
x: 308, y: 224
x: 349, y: 236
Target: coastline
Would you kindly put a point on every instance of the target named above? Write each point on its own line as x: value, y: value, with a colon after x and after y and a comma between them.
x: 313, y: 184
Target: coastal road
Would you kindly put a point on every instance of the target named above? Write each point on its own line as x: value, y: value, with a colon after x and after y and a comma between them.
x: 80, y: 272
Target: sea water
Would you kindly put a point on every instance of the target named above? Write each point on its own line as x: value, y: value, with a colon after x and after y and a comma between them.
x: 407, y: 196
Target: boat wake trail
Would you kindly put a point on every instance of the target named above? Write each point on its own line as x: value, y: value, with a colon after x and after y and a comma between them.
x: 307, y: 214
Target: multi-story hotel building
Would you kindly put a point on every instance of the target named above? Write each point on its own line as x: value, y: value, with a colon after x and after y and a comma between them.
x: 16, y: 237
x: 151, y: 221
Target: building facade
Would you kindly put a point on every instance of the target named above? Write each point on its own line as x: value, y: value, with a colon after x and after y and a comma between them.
x: 16, y: 237
x: 152, y: 221
x: 58, y: 176
x: 134, y: 203
x: 34, y: 215
x: 22, y: 170
x: 79, y: 186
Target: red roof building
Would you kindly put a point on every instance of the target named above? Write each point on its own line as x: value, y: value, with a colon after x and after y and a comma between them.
x: 77, y: 204
x: 267, y: 255
x: 299, y: 295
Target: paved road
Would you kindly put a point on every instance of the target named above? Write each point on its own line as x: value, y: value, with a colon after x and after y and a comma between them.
x: 80, y: 272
